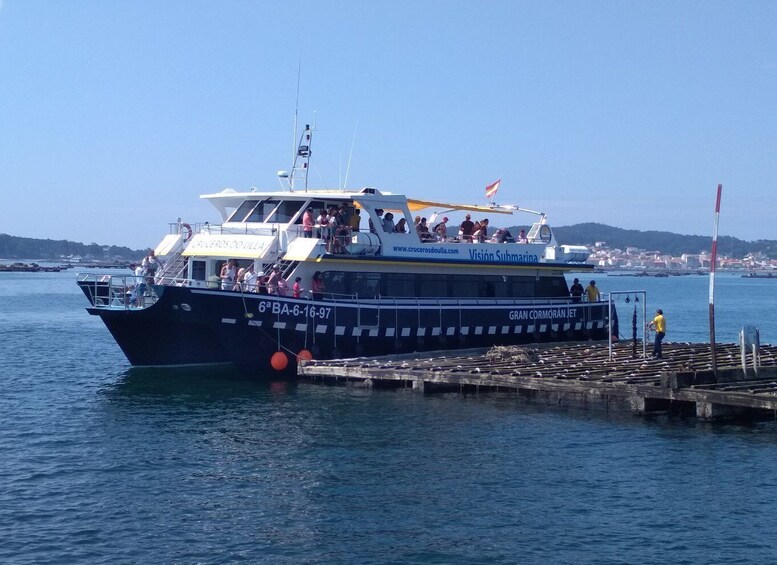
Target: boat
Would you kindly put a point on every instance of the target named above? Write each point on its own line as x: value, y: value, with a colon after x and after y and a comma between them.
x: 758, y: 275
x: 383, y: 292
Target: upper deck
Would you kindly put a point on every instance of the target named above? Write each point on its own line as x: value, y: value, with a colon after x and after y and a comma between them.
x: 368, y: 223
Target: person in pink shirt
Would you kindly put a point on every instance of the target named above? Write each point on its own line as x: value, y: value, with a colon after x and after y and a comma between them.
x: 307, y: 222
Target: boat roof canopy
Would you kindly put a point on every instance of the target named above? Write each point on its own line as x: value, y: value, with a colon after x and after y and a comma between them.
x: 365, y: 194
x: 416, y: 205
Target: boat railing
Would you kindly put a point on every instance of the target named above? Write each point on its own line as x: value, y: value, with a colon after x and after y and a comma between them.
x: 130, y: 292
x: 220, y: 229
x: 118, y: 291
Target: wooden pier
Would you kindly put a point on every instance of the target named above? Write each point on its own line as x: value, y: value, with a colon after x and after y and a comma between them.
x: 581, y: 374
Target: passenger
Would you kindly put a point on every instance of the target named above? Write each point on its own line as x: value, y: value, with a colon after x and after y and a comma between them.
x: 151, y: 265
x: 502, y: 235
x: 322, y: 223
x: 576, y: 291
x: 388, y: 222
x: 283, y: 286
x: 423, y: 231
x: 296, y: 289
x: 335, y: 221
x: 593, y: 292
x: 261, y: 284
x: 441, y: 230
x: 137, y: 298
x: 343, y: 213
x: 355, y: 220
x: 317, y: 286
x: 379, y: 214
x: 249, y: 279
x: 307, y: 222
x: 522, y: 237
x: 481, y: 231
x: 401, y: 226
x: 467, y: 228
x: 417, y: 221
x: 228, y: 275
x: 273, y: 280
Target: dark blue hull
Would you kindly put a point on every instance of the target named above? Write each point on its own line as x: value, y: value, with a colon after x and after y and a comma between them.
x: 200, y: 326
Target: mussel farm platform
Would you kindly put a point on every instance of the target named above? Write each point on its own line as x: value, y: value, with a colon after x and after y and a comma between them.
x: 581, y: 374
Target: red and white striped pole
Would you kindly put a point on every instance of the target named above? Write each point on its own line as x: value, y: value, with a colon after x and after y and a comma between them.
x: 713, y: 262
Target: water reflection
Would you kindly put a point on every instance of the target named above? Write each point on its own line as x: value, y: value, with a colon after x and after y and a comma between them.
x: 205, y: 385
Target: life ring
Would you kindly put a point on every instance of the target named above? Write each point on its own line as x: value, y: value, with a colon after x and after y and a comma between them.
x: 189, y: 231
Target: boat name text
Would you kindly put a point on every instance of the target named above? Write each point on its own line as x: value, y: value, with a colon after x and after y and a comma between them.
x: 229, y: 244
x: 282, y: 309
x: 503, y: 256
x: 544, y: 314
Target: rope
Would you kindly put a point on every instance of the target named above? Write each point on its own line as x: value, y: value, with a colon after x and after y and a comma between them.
x: 277, y: 341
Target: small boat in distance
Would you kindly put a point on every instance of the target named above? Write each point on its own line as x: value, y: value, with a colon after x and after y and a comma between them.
x: 226, y: 292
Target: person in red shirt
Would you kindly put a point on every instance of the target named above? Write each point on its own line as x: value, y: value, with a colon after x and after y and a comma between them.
x: 317, y: 285
x: 296, y: 289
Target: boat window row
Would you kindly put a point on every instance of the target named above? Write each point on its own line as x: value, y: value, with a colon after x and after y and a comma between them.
x: 417, y: 285
x: 267, y: 211
x: 274, y: 211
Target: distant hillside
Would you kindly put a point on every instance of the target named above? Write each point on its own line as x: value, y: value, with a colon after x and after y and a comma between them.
x: 665, y: 242
x: 12, y: 247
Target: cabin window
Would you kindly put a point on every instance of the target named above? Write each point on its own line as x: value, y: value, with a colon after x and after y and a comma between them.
x: 463, y: 286
x: 263, y: 211
x: 286, y: 211
x: 242, y: 212
x: 431, y: 286
x: 523, y: 287
x: 409, y: 285
x: 366, y: 285
x: 503, y: 286
x: 334, y: 282
x: 198, y: 270
x: 399, y: 285
x: 552, y: 287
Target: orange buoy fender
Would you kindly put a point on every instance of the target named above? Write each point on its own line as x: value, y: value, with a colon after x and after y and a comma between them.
x: 279, y: 361
x: 304, y: 355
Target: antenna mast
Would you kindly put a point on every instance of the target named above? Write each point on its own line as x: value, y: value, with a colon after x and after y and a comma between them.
x: 300, y: 169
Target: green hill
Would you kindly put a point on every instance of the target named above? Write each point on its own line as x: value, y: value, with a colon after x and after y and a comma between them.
x: 12, y: 247
x: 665, y: 242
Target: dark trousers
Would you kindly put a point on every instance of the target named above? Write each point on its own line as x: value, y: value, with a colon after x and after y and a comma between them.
x: 657, y: 344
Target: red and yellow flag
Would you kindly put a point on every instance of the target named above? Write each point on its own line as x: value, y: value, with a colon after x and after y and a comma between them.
x: 492, y: 188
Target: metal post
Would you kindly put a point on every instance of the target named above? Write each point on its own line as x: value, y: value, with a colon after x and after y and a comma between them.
x: 713, y: 261
x: 636, y: 293
x: 609, y: 324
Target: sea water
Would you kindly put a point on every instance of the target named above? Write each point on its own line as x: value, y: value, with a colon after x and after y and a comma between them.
x: 102, y: 463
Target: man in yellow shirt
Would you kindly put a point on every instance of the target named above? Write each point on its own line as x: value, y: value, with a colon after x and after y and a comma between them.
x: 659, y: 323
x: 592, y: 292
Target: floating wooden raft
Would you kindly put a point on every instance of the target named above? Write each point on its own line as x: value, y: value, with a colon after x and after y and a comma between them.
x: 582, y: 373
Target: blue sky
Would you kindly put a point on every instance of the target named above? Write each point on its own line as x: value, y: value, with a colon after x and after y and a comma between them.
x: 116, y: 116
